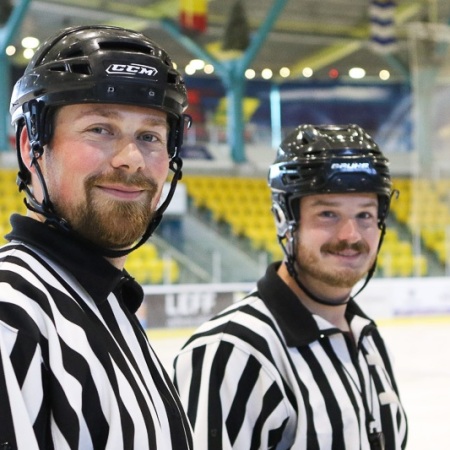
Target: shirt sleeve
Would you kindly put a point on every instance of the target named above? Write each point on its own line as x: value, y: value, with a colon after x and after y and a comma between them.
x: 233, y: 399
x: 20, y: 390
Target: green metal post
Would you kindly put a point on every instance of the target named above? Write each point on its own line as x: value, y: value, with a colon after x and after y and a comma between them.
x: 232, y: 75
x: 6, y: 35
x: 235, y: 124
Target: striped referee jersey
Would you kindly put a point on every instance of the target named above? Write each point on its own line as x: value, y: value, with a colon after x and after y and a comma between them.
x: 267, y: 374
x: 76, y: 369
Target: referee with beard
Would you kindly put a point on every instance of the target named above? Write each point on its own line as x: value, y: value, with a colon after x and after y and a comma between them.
x: 99, y: 119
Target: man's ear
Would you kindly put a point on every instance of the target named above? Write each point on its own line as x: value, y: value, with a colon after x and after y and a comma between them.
x: 25, y: 148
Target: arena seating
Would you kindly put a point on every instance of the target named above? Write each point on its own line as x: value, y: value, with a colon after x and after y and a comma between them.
x: 423, y: 207
x: 148, y: 267
x: 10, y: 200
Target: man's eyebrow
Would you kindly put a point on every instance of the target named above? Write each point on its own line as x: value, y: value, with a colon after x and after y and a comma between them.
x: 109, y: 114
x: 321, y: 202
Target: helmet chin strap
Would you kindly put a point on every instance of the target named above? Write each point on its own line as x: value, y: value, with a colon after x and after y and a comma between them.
x: 46, y: 208
x: 291, y: 267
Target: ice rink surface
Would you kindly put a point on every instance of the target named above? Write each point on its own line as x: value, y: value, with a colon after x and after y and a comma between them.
x: 420, y: 347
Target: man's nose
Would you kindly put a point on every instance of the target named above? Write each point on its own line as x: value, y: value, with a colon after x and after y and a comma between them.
x: 349, y: 230
x: 128, y: 156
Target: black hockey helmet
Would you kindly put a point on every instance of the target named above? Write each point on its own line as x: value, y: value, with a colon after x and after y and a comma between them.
x: 95, y: 64
x: 322, y: 160
x: 98, y: 64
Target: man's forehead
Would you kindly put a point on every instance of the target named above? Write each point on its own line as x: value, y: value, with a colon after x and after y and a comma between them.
x: 363, y: 198
x: 113, y: 110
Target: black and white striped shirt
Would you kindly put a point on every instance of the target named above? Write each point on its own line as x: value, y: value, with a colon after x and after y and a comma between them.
x: 76, y: 368
x: 267, y: 374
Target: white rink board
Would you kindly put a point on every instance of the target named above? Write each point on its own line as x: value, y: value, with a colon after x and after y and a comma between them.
x: 188, y: 305
x: 392, y: 297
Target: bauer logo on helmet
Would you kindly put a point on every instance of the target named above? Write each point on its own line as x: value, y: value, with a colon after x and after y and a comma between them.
x: 353, y: 167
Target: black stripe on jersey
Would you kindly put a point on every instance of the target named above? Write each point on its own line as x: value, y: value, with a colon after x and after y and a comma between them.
x: 198, y: 355
x: 343, y: 376
x: 271, y: 400
x: 276, y: 435
x: 26, y: 339
x: 381, y: 347
x: 180, y: 429
x: 7, y: 436
x: 331, y: 403
x: 215, y: 420
x: 31, y: 291
x: 312, y: 439
x: 41, y: 425
x: 244, y: 389
x: 64, y: 415
x: 77, y: 366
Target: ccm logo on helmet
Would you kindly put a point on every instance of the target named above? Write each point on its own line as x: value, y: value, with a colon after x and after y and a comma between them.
x: 132, y: 69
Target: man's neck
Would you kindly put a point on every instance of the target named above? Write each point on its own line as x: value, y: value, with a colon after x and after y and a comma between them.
x: 333, y: 314
x: 118, y: 263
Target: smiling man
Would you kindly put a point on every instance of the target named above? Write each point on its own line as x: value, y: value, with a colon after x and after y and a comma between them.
x: 111, y: 161
x: 297, y: 364
x: 99, y: 114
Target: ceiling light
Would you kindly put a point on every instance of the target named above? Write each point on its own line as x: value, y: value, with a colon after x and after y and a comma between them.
x: 250, y: 74
x: 267, y: 74
x: 208, y: 69
x: 357, y: 73
x: 190, y: 70
x: 307, y: 72
x: 30, y: 42
x: 197, y: 64
x: 28, y: 53
x: 384, y: 74
x: 285, y: 72
x: 10, y: 50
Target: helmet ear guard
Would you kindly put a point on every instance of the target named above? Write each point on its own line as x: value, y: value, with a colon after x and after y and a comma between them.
x: 281, y: 221
x: 286, y: 214
x: 176, y: 133
x: 36, y: 125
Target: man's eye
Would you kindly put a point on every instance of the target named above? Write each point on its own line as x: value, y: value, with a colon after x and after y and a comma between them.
x: 365, y: 215
x: 98, y: 130
x: 149, y: 138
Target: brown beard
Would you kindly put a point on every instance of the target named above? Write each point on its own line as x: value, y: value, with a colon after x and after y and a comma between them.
x: 346, y: 277
x: 112, y: 223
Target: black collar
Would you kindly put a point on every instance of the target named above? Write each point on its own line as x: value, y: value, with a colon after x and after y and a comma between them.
x: 294, y: 319
x: 95, y: 273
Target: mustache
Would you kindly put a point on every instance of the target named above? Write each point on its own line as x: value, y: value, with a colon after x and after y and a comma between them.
x: 340, y: 246
x: 135, y: 180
